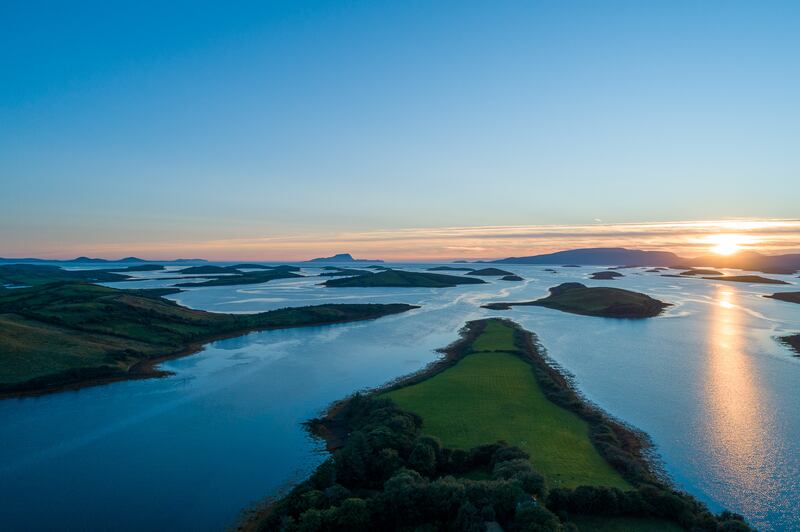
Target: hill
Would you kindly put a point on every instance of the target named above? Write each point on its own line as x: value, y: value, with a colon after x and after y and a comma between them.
x: 401, y: 278
x: 66, y: 334
x: 599, y: 257
x: 342, y: 257
x: 743, y: 260
x: 596, y: 301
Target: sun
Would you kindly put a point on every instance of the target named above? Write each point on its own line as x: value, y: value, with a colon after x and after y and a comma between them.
x: 725, y: 244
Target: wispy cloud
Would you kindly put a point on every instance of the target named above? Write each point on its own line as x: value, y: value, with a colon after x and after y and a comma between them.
x: 687, y: 237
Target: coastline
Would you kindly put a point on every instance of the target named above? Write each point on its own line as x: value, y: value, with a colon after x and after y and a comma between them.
x: 332, y: 431
x: 147, y: 368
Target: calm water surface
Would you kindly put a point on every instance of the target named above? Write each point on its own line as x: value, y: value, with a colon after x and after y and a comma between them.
x: 707, y: 381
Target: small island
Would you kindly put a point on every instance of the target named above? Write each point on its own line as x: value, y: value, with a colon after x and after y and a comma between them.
x: 490, y: 272
x: 792, y: 341
x: 512, y: 278
x: 451, y: 269
x: 577, y: 298
x: 63, y: 335
x: 605, y: 275
x: 753, y: 279
x: 250, y: 266
x: 209, y: 269
x: 400, y: 278
x: 700, y: 271
x: 253, y: 277
x: 789, y: 297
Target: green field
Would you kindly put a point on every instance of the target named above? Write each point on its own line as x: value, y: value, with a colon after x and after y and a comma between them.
x: 492, y: 395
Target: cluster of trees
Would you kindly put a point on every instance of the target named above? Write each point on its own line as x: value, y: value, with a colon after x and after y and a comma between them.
x: 390, y: 476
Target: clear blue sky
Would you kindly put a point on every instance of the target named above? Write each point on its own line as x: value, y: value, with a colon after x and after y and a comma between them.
x: 133, y: 122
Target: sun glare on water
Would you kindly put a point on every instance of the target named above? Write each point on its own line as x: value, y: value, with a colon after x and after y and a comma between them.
x: 726, y: 244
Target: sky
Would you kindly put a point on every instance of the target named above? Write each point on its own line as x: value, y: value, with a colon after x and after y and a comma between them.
x: 415, y: 129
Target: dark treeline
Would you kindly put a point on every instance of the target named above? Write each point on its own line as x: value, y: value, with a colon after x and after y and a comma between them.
x: 390, y: 476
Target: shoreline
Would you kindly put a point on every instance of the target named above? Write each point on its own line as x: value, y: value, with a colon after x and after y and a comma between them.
x: 146, y: 368
x: 332, y: 431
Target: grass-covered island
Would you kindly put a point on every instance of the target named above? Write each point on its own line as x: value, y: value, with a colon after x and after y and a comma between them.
x: 792, y: 341
x: 605, y: 275
x: 400, y: 278
x: 491, y: 437
x: 69, y: 334
x: 251, y: 277
x: 789, y: 297
x: 490, y: 272
x: 593, y: 301
x: 511, y: 278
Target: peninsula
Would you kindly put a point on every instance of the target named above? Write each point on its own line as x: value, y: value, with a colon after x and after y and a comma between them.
x: 577, y: 298
x: 62, y: 335
x: 491, y: 437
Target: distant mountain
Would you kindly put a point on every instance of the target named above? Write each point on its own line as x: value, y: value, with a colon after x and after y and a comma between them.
x: 752, y: 261
x: 600, y: 257
x: 342, y: 257
x: 744, y: 260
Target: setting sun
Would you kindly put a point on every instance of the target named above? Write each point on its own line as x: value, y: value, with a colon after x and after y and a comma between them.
x: 726, y: 244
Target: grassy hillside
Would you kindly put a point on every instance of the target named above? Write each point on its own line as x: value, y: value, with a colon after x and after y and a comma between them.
x: 399, y: 278
x: 491, y: 395
x: 37, y: 274
x: 64, y: 333
x: 595, y: 301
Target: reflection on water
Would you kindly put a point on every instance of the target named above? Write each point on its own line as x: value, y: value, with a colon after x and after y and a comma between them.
x: 708, y: 382
x: 738, y: 416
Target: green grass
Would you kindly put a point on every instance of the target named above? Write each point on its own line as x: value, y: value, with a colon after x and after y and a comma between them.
x: 68, y: 332
x: 623, y: 524
x: 594, y: 301
x: 496, y: 336
x: 492, y: 395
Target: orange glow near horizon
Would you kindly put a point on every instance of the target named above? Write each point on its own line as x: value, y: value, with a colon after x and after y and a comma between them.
x: 726, y: 244
x: 686, y: 238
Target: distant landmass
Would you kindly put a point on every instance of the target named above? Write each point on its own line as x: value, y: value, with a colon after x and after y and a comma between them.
x: 399, y: 278
x: 600, y: 257
x: 744, y: 260
x: 342, y: 257
x: 89, y: 260
x: 593, y: 301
